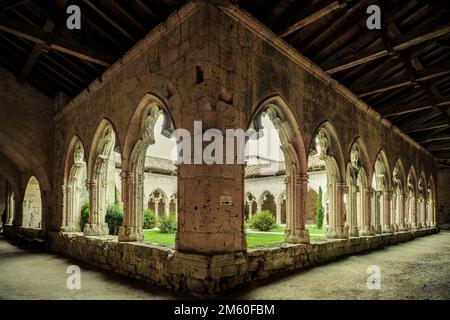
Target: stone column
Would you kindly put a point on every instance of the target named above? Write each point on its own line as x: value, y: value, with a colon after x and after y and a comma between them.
x: 387, y: 203
x: 278, y: 213
x: 352, y: 213
x: 402, y: 212
x: 297, y: 232
x: 11, y: 210
x: 133, y: 197
x: 366, y: 225
x: 413, y: 213
x: 376, y: 224
x: 96, y: 225
x: 337, y: 227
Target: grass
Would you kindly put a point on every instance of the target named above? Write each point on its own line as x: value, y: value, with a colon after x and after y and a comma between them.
x: 253, y: 239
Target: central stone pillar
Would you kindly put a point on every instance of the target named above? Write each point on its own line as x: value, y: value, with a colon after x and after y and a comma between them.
x: 298, y: 185
x: 403, y: 224
x: 132, y: 195
x: 337, y: 227
x: 96, y: 225
x: 352, y: 214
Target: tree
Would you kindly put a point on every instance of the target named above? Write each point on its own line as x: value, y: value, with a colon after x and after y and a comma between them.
x: 320, y: 210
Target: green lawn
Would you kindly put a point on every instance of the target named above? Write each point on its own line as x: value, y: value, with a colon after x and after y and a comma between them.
x: 253, y: 239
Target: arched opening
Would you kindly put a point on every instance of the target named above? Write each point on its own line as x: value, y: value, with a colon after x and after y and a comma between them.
x: 76, y: 194
x: 158, y: 204
x: 32, y: 205
x: 281, y: 208
x: 275, y: 155
x: 268, y: 203
x: 431, y: 208
x: 411, y: 209
x: 103, y: 183
x: 422, y: 202
x: 151, y: 173
x: 250, y: 206
x: 381, y: 201
x: 351, y: 199
x: 325, y: 179
x: 399, y: 196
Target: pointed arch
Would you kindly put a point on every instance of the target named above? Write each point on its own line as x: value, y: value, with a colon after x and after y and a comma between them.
x: 74, y: 188
x: 381, y: 208
x: 139, y: 136
x: 32, y: 205
x: 399, y: 196
x: 431, y: 209
x: 101, y: 154
x: 293, y: 147
x: 351, y: 210
x: 422, y: 201
x: 411, y: 211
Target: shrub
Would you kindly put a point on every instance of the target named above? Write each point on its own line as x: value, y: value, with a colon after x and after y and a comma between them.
x: 263, y: 221
x: 320, y: 210
x: 168, y: 224
x: 84, y: 214
x: 149, y: 219
x: 114, y: 218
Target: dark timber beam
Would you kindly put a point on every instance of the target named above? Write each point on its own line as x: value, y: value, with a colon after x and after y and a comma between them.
x: 391, y: 84
x: 40, y: 37
x: 429, y: 127
x: 398, y: 44
x: 446, y: 138
x: 444, y: 101
x: 313, y: 13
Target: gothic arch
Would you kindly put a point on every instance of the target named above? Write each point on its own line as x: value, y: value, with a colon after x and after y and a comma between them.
x: 100, y: 155
x: 351, y: 212
x: 32, y: 205
x: 381, y: 204
x: 267, y: 201
x: 293, y: 147
x: 250, y: 205
x: 431, y: 209
x: 139, y: 136
x: 328, y: 146
x: 74, y: 185
x: 422, y: 201
x: 158, y: 201
x: 358, y: 147
x: 399, y: 196
x: 411, y: 211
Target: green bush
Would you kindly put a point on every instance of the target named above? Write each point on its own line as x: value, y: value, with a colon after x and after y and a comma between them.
x: 168, y: 224
x: 84, y: 214
x: 149, y: 219
x: 320, y: 210
x: 114, y: 218
x: 263, y: 221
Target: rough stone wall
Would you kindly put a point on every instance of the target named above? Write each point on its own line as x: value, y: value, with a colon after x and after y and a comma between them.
x: 26, y: 139
x: 443, y: 195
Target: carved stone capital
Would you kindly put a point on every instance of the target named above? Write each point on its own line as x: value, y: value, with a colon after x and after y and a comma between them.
x: 301, y: 179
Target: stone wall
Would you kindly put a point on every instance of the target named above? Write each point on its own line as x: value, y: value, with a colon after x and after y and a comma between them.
x: 210, y: 275
x: 443, y: 196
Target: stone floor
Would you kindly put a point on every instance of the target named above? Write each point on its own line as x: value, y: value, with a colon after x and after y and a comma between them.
x: 418, y: 269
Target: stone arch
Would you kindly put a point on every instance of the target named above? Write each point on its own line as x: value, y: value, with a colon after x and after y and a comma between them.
x: 381, y: 204
x: 173, y: 204
x: 158, y: 202
x: 293, y: 147
x: 431, y: 208
x: 398, y: 196
x: 326, y: 143
x: 267, y: 202
x: 411, y: 210
x: 139, y: 136
x: 422, y: 201
x: 250, y: 205
x: 74, y: 188
x: 100, y: 155
x: 32, y: 205
x: 351, y: 201
x: 360, y: 166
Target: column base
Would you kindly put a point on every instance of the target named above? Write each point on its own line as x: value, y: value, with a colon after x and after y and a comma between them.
x: 71, y: 228
x: 387, y: 229
x: 129, y: 234
x: 297, y: 236
x: 354, y: 232
x: 366, y: 231
x: 96, y: 229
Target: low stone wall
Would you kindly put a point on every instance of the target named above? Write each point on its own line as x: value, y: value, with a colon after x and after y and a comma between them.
x: 210, y: 275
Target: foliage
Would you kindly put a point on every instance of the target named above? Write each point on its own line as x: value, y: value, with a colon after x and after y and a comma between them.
x: 168, y: 224
x: 263, y: 221
x: 149, y: 219
x: 114, y: 218
x: 320, y: 210
x: 84, y: 214
x: 116, y: 196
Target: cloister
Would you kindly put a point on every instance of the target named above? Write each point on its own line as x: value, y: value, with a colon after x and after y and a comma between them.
x: 215, y: 63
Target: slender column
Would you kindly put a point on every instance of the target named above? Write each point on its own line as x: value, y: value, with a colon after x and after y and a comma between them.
x: 96, y: 225
x: 387, y: 203
x: 403, y: 197
x: 297, y: 232
x: 413, y: 212
x: 133, y: 197
x: 376, y: 214
x: 337, y: 227
x: 278, y: 213
x: 11, y: 210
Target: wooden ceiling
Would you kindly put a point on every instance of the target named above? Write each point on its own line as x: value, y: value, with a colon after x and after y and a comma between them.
x: 402, y: 70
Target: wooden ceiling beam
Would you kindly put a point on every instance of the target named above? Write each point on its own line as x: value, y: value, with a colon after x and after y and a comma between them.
x: 125, y: 13
x: 109, y: 20
x: 399, y: 44
x: 313, y: 13
x: 39, y: 37
x: 429, y: 127
x: 149, y: 11
x: 444, y: 138
x: 411, y: 108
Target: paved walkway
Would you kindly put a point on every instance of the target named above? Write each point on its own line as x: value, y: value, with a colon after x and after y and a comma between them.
x: 418, y: 269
